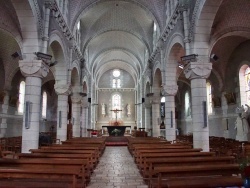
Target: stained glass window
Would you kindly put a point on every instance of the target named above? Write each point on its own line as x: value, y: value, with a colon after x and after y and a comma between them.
x: 44, y: 106
x: 247, y: 84
x: 209, y: 98
x: 21, y: 97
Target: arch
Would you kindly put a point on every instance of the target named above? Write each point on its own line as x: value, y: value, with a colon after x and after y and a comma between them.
x: 157, y: 81
x: 201, y: 25
x: 176, y: 51
x: 75, y: 81
x: 33, y: 22
x: 61, y: 68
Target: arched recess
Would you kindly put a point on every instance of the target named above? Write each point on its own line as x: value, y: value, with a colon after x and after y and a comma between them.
x: 174, y: 59
x: 60, y: 70
x: 8, y: 46
x: 33, y: 23
x: 157, y: 82
x: 75, y: 81
x: 201, y: 26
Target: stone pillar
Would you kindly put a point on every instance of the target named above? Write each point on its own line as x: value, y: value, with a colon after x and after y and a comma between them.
x: 197, y: 72
x: 76, y: 110
x: 5, y: 107
x: 156, y: 117
x: 84, y: 118
x: 63, y: 92
x: 170, y: 126
x: 34, y: 71
x: 148, y: 124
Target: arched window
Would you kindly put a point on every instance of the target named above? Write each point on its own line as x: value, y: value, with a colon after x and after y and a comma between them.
x: 247, y: 85
x: 116, y: 82
x: 209, y: 98
x: 44, y: 105
x: 21, y: 97
x: 116, y: 104
x: 244, y: 84
x: 187, y: 105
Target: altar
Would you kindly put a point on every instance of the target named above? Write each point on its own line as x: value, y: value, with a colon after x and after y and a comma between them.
x: 116, y: 130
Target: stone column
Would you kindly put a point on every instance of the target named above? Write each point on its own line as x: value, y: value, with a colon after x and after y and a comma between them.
x: 84, y: 117
x: 148, y: 118
x: 63, y: 92
x: 5, y: 107
x: 156, y: 117
x: 170, y: 126
x: 198, y: 72
x: 76, y: 110
x: 34, y: 71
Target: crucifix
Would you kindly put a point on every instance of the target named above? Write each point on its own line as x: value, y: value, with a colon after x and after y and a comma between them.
x: 116, y: 112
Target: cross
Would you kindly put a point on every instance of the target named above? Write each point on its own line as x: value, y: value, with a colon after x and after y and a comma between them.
x: 116, y: 112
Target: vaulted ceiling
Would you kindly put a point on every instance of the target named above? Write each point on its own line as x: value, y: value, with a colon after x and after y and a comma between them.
x: 118, y: 34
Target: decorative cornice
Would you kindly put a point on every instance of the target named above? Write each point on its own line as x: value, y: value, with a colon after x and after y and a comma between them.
x: 52, y: 5
x: 192, y: 23
x: 167, y: 30
x: 39, y: 19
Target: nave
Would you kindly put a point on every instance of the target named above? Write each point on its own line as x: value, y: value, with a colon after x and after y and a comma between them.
x: 116, y: 169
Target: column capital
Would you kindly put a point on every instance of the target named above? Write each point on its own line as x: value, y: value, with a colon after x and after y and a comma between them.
x: 62, y: 89
x: 169, y: 90
x: 76, y: 98
x: 33, y: 68
x: 84, y: 103
x: 197, y: 70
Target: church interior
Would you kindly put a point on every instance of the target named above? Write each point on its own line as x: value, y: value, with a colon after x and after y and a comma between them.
x: 122, y: 91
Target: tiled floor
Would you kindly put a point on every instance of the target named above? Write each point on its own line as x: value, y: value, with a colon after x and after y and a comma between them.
x: 116, y: 169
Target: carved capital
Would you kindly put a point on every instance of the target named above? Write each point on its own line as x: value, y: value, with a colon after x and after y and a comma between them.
x: 169, y: 90
x: 62, y: 89
x: 84, y: 103
x: 33, y: 68
x: 76, y: 98
x: 196, y: 70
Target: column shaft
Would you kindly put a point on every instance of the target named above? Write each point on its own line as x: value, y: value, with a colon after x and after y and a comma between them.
x: 76, y: 110
x: 84, y: 121
x: 200, y: 133
x: 30, y: 136
x: 5, y: 107
x: 170, y: 123
x: 155, y: 119
x: 62, y: 106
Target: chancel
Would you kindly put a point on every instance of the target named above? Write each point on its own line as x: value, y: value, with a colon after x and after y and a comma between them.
x: 117, y: 76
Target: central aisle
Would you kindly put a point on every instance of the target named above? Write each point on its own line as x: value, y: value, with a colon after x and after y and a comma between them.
x: 116, y: 169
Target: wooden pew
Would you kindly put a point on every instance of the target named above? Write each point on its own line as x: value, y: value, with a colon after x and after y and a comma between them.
x: 94, y: 156
x: 151, y: 163
x: 137, y: 153
x: 51, y: 163
x: 73, y: 147
x: 157, y: 146
x: 161, y: 172
x: 60, y: 156
x: 69, y: 176
x: 198, y: 182
x: 142, y: 157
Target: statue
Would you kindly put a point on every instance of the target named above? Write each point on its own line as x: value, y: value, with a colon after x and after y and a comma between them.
x: 241, y: 123
x: 103, y: 109
x: 128, y: 110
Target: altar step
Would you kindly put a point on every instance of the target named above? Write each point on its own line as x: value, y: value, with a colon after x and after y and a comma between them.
x: 116, y: 141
